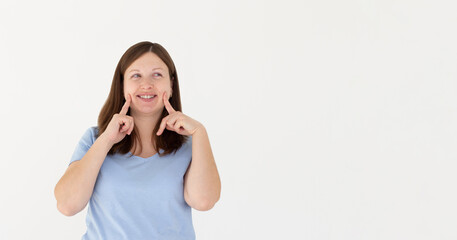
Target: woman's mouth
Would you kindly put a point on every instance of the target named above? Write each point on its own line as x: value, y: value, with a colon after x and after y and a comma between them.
x: 147, y: 98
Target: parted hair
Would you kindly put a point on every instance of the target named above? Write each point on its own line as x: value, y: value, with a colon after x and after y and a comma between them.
x: 169, y: 141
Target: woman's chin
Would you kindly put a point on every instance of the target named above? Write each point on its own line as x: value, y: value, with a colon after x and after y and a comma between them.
x: 146, y: 111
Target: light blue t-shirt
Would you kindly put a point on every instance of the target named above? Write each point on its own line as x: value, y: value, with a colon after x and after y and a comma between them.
x: 138, y: 198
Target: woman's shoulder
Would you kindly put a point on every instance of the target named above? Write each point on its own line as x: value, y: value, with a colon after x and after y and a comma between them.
x: 188, y: 141
x: 93, y: 130
x: 91, y: 133
x: 187, y: 144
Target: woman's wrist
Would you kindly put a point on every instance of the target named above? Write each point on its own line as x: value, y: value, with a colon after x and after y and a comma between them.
x: 105, y: 142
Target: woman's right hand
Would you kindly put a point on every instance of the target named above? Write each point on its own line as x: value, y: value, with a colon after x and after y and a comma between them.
x: 120, y: 125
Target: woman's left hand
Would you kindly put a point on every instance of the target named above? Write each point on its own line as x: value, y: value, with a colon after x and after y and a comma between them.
x: 177, y: 121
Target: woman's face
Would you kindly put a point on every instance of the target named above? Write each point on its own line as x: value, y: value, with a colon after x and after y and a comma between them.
x: 147, y: 76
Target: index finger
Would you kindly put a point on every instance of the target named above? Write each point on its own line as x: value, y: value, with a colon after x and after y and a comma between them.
x: 126, y: 106
x: 167, y: 104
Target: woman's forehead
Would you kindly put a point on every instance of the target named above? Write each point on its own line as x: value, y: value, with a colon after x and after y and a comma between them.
x: 147, y: 61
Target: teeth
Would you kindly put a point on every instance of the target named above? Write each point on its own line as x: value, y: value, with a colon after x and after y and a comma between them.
x: 147, y: 96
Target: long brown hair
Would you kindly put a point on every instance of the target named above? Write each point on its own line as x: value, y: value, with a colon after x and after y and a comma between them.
x: 169, y: 141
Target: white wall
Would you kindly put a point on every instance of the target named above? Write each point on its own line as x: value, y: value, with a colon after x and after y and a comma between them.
x: 328, y: 119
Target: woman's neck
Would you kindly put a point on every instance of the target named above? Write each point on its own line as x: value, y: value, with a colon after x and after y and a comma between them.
x: 145, y: 125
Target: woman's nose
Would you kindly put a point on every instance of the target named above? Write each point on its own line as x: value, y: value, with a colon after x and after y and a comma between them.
x: 146, y: 86
x: 146, y: 83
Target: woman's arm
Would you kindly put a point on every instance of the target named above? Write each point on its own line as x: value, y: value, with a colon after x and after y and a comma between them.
x: 202, y: 185
x: 74, y: 189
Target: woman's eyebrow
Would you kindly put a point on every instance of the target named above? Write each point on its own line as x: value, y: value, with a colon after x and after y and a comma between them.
x: 139, y: 70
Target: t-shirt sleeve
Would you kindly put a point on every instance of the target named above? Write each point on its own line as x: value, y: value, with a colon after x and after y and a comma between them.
x: 84, y: 144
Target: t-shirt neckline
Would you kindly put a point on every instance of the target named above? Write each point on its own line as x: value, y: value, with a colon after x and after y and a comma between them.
x: 142, y: 158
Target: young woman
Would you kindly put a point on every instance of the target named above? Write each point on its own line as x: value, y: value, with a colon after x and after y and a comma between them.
x: 146, y: 164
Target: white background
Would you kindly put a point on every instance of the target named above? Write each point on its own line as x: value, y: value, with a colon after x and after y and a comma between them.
x: 327, y: 119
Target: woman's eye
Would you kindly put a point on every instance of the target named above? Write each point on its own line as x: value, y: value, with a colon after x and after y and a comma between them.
x: 133, y: 76
x: 157, y: 75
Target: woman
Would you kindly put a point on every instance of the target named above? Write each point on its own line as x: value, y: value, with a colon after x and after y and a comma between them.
x: 146, y: 163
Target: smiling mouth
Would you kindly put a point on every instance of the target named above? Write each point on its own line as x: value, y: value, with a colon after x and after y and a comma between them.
x: 147, y: 98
